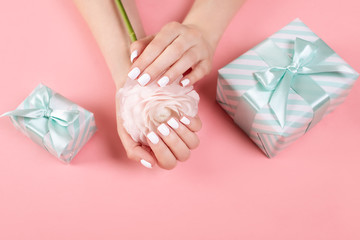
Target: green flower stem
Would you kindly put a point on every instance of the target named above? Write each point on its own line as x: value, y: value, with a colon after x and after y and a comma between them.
x: 126, y: 20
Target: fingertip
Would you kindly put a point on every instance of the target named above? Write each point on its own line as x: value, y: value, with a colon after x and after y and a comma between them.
x: 168, y: 165
x: 139, y: 154
x: 144, y: 79
x: 185, y: 120
x: 193, y: 123
x: 134, y: 54
x: 163, y: 81
x: 198, y: 123
x: 147, y: 160
x: 185, y: 82
x: 146, y: 164
x: 152, y: 138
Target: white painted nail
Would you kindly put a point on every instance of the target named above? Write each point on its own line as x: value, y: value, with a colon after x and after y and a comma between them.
x: 134, y: 73
x: 163, y: 129
x: 173, y: 123
x: 153, y: 137
x: 185, y: 82
x: 134, y: 54
x: 145, y: 163
x: 144, y: 79
x: 185, y: 120
x: 163, y: 81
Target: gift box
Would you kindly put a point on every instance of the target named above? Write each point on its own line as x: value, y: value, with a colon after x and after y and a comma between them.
x: 55, y: 123
x: 281, y: 88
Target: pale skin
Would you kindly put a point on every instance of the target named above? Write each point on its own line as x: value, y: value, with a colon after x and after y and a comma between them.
x: 175, y: 49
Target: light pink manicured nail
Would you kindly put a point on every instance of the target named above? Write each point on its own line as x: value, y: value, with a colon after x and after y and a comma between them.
x: 185, y: 120
x: 144, y: 79
x: 145, y: 163
x: 163, y: 129
x: 185, y: 82
x: 134, y: 73
x: 134, y: 54
x: 163, y: 81
x: 173, y: 123
x: 153, y: 137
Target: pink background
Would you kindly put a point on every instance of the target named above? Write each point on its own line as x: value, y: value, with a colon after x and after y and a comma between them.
x: 227, y: 190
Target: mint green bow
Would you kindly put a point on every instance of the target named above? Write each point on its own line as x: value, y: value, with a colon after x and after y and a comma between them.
x: 284, y: 73
x: 57, y: 120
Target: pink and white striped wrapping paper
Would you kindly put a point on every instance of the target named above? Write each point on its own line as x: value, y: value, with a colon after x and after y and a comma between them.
x: 237, y: 77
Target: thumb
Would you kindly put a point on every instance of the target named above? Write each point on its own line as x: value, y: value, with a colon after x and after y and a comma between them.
x: 141, y: 154
x: 137, y: 47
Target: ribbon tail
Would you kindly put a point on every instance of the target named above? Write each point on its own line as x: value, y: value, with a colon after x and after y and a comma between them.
x: 340, y: 68
x: 314, y: 95
x: 249, y: 104
x: 59, y: 137
x: 29, y: 113
x: 279, y: 98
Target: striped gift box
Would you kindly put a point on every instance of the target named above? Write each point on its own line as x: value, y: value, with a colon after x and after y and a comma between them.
x: 237, y: 78
x: 42, y: 112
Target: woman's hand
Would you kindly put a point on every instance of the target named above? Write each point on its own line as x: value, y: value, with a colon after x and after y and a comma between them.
x: 172, y: 142
x: 171, y: 53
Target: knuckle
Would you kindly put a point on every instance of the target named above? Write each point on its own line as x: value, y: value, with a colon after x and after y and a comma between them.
x: 184, y: 155
x: 204, y: 69
x: 189, y: 135
x: 172, y: 74
x: 156, y: 44
x: 171, y: 25
x: 200, y: 125
x: 175, y: 140
x: 177, y: 49
x: 208, y: 68
x: 192, y: 56
x: 199, y: 73
x: 136, y: 45
x: 143, y: 61
x: 130, y: 154
x: 153, y: 70
x: 195, y: 33
x: 195, y: 143
x: 168, y: 164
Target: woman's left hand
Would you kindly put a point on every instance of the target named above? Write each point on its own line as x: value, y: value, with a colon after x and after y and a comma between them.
x: 170, y: 54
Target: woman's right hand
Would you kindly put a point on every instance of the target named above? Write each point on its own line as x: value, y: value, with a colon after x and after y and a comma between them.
x: 174, y: 51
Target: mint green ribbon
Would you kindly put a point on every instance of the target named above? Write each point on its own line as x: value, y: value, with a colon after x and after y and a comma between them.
x: 283, y: 73
x: 58, y: 120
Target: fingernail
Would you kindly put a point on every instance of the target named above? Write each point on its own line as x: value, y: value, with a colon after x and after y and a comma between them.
x: 185, y: 120
x: 173, y: 123
x: 144, y: 79
x: 163, y: 81
x: 163, y: 129
x: 185, y: 82
x: 134, y: 54
x: 134, y: 73
x: 153, y: 137
x: 145, y: 163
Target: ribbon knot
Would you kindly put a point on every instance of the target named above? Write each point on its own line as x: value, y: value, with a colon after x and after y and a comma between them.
x: 58, y: 120
x: 285, y: 73
x: 292, y: 69
x: 48, y: 112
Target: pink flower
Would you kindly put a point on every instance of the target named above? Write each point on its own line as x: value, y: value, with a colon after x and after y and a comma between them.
x: 143, y: 109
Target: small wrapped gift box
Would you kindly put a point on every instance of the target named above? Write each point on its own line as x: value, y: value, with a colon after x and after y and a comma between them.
x: 54, y: 122
x: 282, y: 87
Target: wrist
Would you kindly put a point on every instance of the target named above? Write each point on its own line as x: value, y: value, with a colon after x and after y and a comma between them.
x: 211, y: 36
x: 119, y: 81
